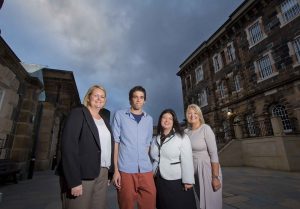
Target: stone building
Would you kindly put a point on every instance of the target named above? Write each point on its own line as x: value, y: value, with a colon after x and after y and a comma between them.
x: 246, y: 78
x: 34, y: 102
x: 59, y: 96
x: 18, y: 108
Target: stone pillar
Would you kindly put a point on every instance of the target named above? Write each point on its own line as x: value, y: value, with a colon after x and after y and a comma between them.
x: 238, y: 131
x: 297, y: 114
x: 277, y: 126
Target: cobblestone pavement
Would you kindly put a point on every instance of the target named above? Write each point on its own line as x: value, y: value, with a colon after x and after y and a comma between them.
x: 244, y: 188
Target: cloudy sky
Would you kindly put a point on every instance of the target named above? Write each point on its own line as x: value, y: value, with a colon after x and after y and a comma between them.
x: 116, y: 43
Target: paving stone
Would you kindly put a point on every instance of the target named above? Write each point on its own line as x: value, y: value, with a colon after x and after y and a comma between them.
x: 235, y: 199
x: 291, y: 203
x: 243, y: 188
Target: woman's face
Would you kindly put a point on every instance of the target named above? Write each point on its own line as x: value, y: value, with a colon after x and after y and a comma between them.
x: 192, y: 116
x: 167, y: 122
x: 97, y: 99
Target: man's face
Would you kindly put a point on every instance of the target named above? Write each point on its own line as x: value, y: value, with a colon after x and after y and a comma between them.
x: 137, y: 100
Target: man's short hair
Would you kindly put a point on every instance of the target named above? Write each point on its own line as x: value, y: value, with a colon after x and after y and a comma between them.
x: 137, y: 88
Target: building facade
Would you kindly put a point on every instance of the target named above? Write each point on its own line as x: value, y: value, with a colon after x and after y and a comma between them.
x: 246, y: 76
x: 33, y: 106
x: 19, y: 94
x: 59, y: 96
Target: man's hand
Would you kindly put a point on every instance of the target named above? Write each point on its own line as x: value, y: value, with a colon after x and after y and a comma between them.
x: 117, y: 180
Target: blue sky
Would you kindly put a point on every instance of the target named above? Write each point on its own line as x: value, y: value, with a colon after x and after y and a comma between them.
x: 115, y: 43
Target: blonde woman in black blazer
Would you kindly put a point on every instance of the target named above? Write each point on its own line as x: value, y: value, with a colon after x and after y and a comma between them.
x: 87, y: 153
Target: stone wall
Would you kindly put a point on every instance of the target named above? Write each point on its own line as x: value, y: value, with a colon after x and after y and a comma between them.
x: 9, y: 85
x: 278, y: 153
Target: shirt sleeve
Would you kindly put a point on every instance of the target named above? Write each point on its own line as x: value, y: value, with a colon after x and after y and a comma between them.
x: 186, y: 158
x: 149, y: 139
x: 116, y: 127
x: 211, y: 144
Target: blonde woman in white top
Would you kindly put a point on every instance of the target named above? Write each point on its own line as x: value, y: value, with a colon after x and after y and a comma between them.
x: 208, y: 178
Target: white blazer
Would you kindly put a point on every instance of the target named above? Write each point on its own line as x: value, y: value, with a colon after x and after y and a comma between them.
x: 174, y: 158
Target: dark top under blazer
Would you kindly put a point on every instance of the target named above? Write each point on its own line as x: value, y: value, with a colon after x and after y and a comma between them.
x: 81, y: 149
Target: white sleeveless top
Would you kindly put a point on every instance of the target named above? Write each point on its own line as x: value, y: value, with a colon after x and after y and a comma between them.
x: 105, y: 142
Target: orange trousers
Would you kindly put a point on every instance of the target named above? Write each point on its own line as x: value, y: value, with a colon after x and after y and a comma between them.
x: 137, y: 188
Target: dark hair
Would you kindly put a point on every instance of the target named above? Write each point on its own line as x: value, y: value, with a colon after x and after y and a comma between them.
x: 137, y: 88
x: 176, y: 125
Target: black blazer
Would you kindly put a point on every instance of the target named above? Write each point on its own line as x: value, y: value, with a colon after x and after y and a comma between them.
x: 80, y: 147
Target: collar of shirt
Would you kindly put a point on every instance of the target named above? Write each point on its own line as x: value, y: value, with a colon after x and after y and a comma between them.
x: 128, y: 112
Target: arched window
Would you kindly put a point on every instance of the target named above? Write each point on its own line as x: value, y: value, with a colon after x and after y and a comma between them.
x: 250, y: 125
x: 236, y: 120
x: 279, y: 111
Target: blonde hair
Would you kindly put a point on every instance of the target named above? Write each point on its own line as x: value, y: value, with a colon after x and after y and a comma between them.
x: 198, y: 111
x: 89, y: 92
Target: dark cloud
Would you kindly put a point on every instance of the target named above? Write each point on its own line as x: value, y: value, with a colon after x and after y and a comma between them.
x: 116, y: 43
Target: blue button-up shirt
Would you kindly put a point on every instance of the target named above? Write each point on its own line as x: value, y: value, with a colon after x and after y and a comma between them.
x: 134, y: 140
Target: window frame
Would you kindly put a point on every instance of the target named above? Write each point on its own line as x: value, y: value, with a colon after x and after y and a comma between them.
x: 217, y: 62
x: 294, y: 51
x: 221, y: 89
x: 281, y: 16
x: 188, y: 79
x: 251, y: 125
x: 230, y: 52
x: 258, y: 67
x: 249, y: 35
x: 237, y: 83
x: 199, y: 76
x: 202, y: 102
x: 282, y: 113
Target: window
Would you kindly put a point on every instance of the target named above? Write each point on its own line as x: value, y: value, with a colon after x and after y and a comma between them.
x: 202, y: 98
x: 236, y: 120
x: 217, y: 61
x: 255, y: 33
x: 279, y: 111
x: 296, y: 46
x: 264, y: 67
x: 221, y: 89
x: 237, y: 85
x: 250, y: 125
x: 188, y: 82
x: 294, y: 51
x: 290, y: 9
x: 199, y: 73
x: 230, y: 52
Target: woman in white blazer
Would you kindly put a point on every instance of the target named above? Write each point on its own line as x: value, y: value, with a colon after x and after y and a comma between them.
x: 173, y: 168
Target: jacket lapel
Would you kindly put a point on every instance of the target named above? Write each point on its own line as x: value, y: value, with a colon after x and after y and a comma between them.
x: 91, y: 123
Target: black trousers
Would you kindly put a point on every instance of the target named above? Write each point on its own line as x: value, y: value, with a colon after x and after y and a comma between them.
x: 170, y: 195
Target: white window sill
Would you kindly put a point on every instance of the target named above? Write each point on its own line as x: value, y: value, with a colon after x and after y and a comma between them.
x: 203, y: 105
x: 270, y: 76
x: 296, y: 65
x: 252, y: 45
x: 282, y: 24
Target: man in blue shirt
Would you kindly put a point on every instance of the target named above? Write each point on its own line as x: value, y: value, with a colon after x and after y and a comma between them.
x: 132, y: 129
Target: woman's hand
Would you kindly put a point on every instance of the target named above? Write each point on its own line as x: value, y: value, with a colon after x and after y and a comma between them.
x: 76, y: 191
x: 117, y: 180
x: 187, y: 187
x: 216, y: 184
